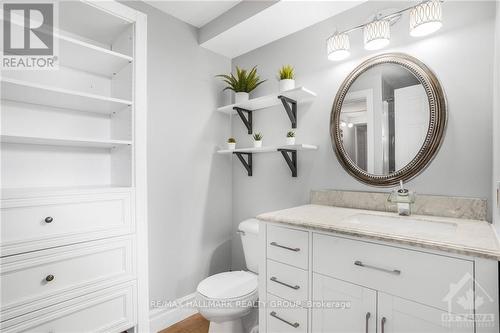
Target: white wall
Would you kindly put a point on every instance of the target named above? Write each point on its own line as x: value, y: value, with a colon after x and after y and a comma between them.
x: 461, y: 55
x: 496, y: 120
x: 189, y: 189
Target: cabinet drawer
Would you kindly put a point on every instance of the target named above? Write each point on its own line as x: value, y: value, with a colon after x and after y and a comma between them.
x: 288, y: 246
x: 38, y: 223
x: 422, y: 277
x: 287, y: 282
x: 108, y: 310
x: 285, y: 317
x: 38, y: 279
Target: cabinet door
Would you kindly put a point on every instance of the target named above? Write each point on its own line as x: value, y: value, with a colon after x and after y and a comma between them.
x: 342, y: 307
x: 397, y: 315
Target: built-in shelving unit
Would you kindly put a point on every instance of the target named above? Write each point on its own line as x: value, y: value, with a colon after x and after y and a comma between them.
x: 290, y: 99
x: 289, y: 153
x: 61, y: 98
x: 73, y: 175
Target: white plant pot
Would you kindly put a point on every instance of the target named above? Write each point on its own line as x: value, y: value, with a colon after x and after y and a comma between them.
x: 287, y: 84
x: 241, y: 97
x: 231, y: 146
x: 257, y: 144
x: 290, y: 141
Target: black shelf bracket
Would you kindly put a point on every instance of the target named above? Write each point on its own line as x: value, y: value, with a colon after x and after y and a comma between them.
x: 290, y: 108
x: 291, y: 161
x: 246, y: 163
x: 246, y: 121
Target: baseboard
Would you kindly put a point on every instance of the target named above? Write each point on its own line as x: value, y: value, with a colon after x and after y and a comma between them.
x: 161, y: 318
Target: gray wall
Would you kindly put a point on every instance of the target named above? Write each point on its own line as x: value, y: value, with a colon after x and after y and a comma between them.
x: 189, y: 186
x: 496, y: 120
x: 461, y: 55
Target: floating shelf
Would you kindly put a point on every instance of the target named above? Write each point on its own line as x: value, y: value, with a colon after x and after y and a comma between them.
x: 70, y: 142
x: 90, y: 58
x: 289, y: 99
x: 33, y: 93
x: 289, y: 153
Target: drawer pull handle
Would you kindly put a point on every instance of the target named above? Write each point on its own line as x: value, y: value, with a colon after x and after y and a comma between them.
x: 393, y: 271
x: 295, y: 325
x: 368, y: 315
x: 48, y: 219
x: 383, y: 323
x: 49, y: 278
x: 285, y: 247
x: 275, y: 279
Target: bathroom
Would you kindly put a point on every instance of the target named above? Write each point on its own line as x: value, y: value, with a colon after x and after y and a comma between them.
x: 122, y: 194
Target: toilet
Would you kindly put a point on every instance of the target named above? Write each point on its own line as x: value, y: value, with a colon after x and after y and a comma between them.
x: 225, y: 298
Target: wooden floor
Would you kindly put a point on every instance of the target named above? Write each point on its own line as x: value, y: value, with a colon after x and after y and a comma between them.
x: 193, y: 324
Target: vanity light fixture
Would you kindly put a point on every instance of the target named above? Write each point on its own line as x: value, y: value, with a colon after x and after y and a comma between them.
x: 337, y: 46
x: 343, y: 124
x: 377, y: 34
x: 350, y: 125
x: 425, y: 18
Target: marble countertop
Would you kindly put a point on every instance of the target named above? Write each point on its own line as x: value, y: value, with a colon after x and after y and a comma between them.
x: 462, y: 236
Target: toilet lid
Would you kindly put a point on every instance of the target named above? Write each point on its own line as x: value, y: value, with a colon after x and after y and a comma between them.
x: 228, y: 285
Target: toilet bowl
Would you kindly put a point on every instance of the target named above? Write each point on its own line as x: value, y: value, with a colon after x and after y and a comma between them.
x: 225, y: 298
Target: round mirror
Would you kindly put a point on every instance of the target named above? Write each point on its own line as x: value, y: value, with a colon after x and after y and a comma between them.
x: 388, y: 119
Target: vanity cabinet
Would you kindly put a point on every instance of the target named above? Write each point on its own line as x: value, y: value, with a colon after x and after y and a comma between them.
x: 350, y: 284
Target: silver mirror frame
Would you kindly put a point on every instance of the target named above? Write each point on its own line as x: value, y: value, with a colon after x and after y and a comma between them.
x: 435, y: 133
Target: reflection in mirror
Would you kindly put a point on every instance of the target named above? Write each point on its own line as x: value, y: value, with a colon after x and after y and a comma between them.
x: 384, y: 119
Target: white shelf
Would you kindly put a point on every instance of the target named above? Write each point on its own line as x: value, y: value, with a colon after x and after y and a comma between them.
x: 299, y: 94
x: 33, y: 93
x: 15, y: 193
x: 90, y: 58
x: 268, y: 149
x: 70, y: 142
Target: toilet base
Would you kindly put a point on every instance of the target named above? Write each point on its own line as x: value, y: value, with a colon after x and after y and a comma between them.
x: 232, y: 326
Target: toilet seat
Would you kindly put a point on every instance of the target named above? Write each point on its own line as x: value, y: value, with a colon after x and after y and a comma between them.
x: 228, y: 285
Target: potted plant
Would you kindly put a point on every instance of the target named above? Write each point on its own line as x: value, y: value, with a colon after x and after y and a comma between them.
x: 290, y: 138
x: 257, y: 140
x: 287, y: 77
x: 231, y: 143
x: 242, y: 84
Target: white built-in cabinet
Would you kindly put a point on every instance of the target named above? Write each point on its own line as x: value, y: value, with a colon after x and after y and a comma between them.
x: 73, y: 179
x: 320, y: 282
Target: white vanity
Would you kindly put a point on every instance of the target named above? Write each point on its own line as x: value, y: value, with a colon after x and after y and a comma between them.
x: 331, y: 269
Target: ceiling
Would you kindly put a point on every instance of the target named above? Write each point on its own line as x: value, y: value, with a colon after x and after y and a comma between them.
x: 197, y: 13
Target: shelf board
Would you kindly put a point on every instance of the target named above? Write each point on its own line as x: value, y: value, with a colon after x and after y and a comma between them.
x: 90, y: 58
x: 299, y: 94
x: 24, y: 192
x: 268, y: 149
x: 34, y: 93
x: 69, y: 142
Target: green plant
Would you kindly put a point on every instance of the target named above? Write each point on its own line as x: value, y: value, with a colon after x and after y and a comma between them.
x: 244, y: 81
x: 290, y: 134
x: 286, y: 72
x: 231, y: 140
x: 258, y: 136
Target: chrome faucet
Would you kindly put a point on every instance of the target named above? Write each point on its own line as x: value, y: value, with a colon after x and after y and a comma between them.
x: 403, y: 199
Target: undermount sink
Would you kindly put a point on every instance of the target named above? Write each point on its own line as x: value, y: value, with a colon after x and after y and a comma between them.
x: 402, y: 224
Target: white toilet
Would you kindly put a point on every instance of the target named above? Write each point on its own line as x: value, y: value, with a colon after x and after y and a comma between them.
x: 225, y: 298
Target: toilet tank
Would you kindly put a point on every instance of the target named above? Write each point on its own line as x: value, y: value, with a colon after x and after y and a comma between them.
x: 249, y: 232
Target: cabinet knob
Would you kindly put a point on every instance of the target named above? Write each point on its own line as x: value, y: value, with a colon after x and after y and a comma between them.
x: 49, y: 278
x: 49, y: 219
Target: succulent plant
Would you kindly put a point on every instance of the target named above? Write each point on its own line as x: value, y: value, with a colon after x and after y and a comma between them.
x: 244, y: 81
x: 258, y: 136
x: 290, y: 134
x: 231, y: 140
x: 286, y: 72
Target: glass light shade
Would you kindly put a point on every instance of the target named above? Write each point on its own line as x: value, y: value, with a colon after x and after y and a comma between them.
x: 377, y: 34
x: 426, y: 18
x: 337, y: 47
x: 350, y: 125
